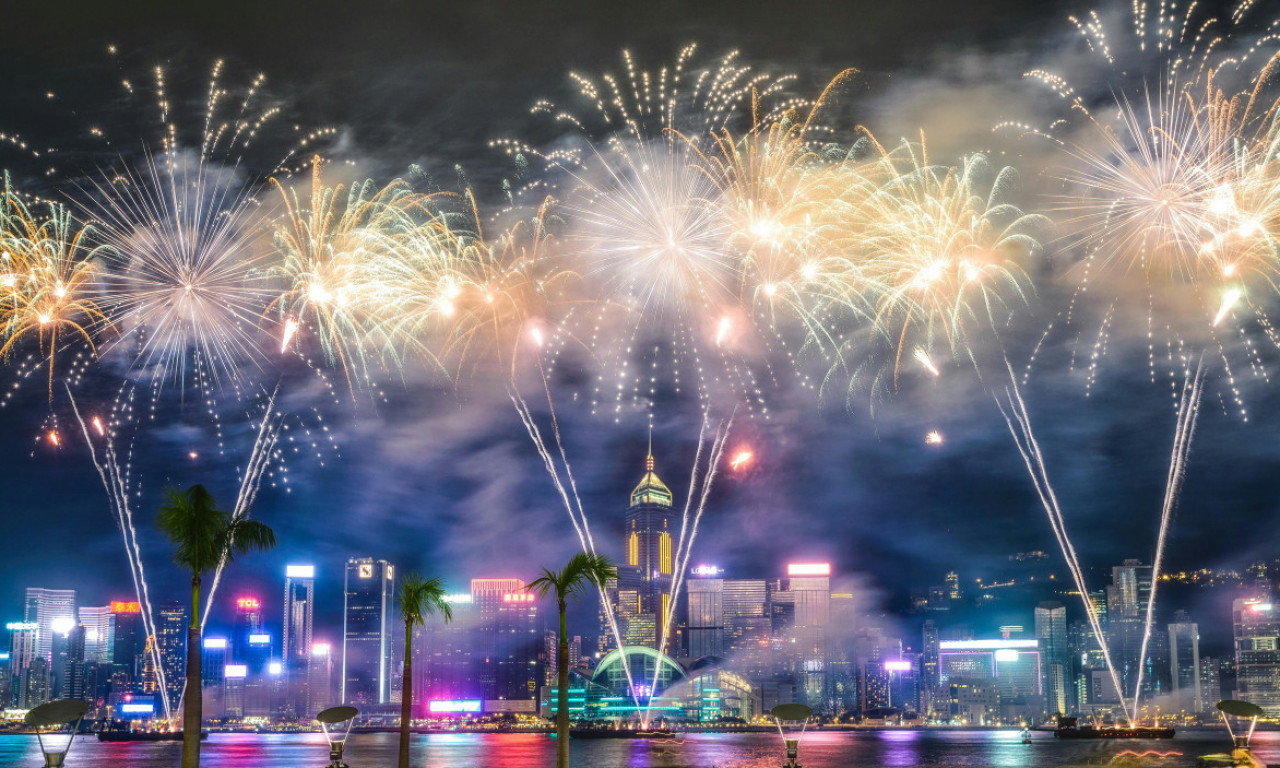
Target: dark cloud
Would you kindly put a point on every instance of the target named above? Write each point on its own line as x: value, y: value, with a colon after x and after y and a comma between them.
x: 448, y: 482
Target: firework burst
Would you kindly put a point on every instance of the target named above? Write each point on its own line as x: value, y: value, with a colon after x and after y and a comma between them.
x: 47, y: 268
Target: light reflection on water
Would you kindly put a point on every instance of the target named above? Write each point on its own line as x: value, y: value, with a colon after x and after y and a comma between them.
x: 829, y: 749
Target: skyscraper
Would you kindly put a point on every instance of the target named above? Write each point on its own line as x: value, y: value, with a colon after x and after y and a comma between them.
x: 748, y: 636
x: 649, y: 564
x: 808, y: 589
x: 1184, y: 663
x: 99, y: 633
x: 22, y: 657
x: 246, y: 624
x: 705, y: 618
x: 1051, y: 633
x: 69, y: 663
x: 299, y: 612
x: 517, y: 648
x: 1257, y: 639
x: 299, y: 616
x: 1126, y: 619
x: 367, y: 624
x: 51, y: 610
x: 935, y: 702
x: 319, y: 678
x: 505, y: 638
x: 171, y: 639
x: 1211, y: 681
x: 126, y: 649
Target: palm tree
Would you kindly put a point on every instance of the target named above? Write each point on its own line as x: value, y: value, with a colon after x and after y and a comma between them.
x: 419, y: 598
x: 203, y: 536
x: 583, y: 571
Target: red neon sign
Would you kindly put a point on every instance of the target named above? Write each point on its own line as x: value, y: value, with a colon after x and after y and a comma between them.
x: 248, y: 604
x: 120, y: 606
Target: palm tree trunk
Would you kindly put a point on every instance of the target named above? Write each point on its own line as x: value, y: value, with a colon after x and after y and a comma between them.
x: 193, y: 706
x: 406, y: 695
x: 562, y: 693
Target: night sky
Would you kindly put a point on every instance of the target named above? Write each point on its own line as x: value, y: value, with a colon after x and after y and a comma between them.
x: 447, y: 482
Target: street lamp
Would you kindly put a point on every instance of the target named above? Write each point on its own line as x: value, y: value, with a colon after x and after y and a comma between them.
x: 331, y: 721
x: 791, y: 720
x: 50, y: 721
x: 1242, y: 710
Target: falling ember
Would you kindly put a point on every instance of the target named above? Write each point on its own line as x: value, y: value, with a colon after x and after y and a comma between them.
x: 923, y: 358
x: 722, y: 330
x: 740, y: 459
x: 290, y: 329
x: 535, y: 333
x: 53, y: 437
x: 1229, y: 300
x: 933, y: 438
x: 193, y: 455
x: 97, y: 426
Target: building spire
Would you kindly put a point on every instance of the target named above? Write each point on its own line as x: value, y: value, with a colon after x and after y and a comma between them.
x: 648, y: 462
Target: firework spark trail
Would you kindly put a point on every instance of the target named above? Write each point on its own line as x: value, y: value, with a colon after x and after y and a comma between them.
x: 1029, y: 448
x: 259, y: 459
x: 684, y: 546
x: 1188, y: 413
x: 116, y: 484
x: 570, y: 498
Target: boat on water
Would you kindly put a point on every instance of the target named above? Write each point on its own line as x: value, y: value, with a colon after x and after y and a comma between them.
x: 1070, y: 728
x: 145, y: 735
x: 622, y: 733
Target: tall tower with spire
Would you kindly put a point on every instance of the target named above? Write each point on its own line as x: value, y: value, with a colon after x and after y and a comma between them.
x: 644, y: 579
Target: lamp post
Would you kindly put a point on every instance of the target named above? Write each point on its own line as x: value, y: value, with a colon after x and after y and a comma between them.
x: 331, y: 721
x: 50, y: 721
x: 791, y: 720
x: 1242, y: 710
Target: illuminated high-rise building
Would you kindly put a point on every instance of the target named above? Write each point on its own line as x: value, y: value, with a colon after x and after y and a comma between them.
x: 444, y: 652
x: 213, y: 669
x: 1055, y: 661
x: 53, y: 611
x: 747, y: 627
x: 807, y: 590
x: 505, y: 639
x: 650, y: 556
x: 1257, y: 642
x: 245, y: 624
x: 299, y: 612
x: 127, y: 644
x: 22, y: 657
x: 1184, y: 663
x: 935, y: 703
x: 705, y: 617
x: 99, y: 633
x: 319, y: 678
x: 1126, y: 620
x: 299, y: 617
x: 1211, y: 681
x: 68, y: 663
x: 368, y: 624
x: 213, y: 661
x: 171, y: 640
x: 516, y: 661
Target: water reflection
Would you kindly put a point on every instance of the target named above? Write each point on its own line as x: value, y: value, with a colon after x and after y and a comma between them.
x: 818, y: 749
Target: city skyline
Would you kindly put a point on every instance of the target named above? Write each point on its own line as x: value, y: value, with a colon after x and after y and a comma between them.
x: 902, y: 663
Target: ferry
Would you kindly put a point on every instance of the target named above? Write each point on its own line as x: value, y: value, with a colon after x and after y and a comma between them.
x: 1069, y: 728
